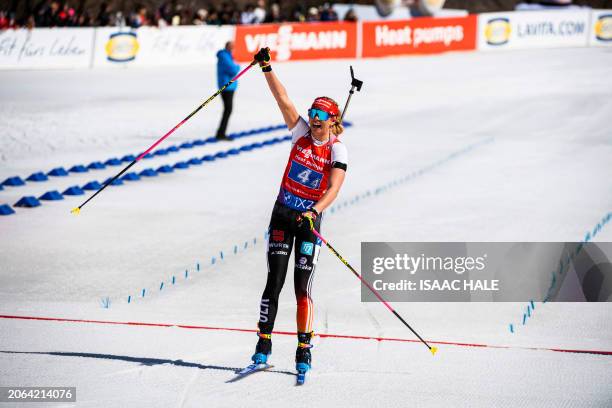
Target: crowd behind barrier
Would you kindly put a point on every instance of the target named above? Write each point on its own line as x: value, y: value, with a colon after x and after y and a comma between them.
x: 67, y: 13
x: 43, y: 48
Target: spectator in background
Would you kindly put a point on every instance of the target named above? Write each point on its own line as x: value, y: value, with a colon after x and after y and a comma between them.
x: 139, y: 17
x: 248, y: 15
x: 200, y: 17
x: 226, y: 70
x: 313, y: 15
x: 213, y: 18
x: 298, y: 13
x: 4, y: 21
x: 350, y: 16
x: 259, y: 14
x: 65, y: 16
x: 177, y: 15
x: 274, y: 16
x: 47, y: 15
x: 328, y: 13
x: 104, y: 16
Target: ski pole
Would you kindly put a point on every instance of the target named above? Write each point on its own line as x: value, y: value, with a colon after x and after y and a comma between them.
x: 355, y: 84
x: 344, y: 261
x: 77, y: 210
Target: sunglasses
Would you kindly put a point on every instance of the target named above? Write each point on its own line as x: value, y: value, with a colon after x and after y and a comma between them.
x: 318, y: 112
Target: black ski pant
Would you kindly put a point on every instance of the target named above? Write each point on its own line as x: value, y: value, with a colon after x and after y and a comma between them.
x: 228, y: 104
x: 284, y: 234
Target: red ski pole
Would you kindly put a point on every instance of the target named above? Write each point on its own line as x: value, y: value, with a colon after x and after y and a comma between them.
x: 77, y: 210
x: 384, y: 302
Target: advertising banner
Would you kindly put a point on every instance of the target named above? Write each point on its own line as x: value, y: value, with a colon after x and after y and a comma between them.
x: 45, y: 48
x: 601, y: 28
x: 533, y: 29
x: 418, y: 36
x: 299, y: 41
x: 151, y: 46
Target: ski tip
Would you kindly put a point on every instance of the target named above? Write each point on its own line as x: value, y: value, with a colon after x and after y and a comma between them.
x: 433, y: 350
x: 76, y: 211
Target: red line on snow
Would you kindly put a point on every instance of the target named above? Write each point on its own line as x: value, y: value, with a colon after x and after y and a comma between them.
x: 322, y: 335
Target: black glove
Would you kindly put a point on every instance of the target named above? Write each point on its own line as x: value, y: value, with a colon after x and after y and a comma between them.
x: 263, y: 58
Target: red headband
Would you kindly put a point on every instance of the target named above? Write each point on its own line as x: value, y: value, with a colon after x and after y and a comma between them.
x: 327, y: 105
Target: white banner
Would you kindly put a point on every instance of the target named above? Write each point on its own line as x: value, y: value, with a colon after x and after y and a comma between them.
x: 601, y: 28
x: 533, y: 29
x: 150, y: 46
x: 44, y: 48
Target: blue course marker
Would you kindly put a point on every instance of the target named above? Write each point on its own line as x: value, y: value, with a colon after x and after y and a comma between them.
x: 58, y: 172
x: 92, y: 185
x: 195, y: 161
x: 172, y: 149
x: 117, y: 182
x: 113, y: 162
x: 74, y: 190
x: 181, y: 165
x: 131, y: 177
x: 96, y: 166
x: 208, y: 157
x: 128, y: 158
x: 165, y: 169
x: 161, y: 152
x: 148, y: 173
x: 52, y: 195
x: 79, y: 168
x: 13, y: 181
x: 38, y: 176
x: 27, y: 202
x: 6, y: 209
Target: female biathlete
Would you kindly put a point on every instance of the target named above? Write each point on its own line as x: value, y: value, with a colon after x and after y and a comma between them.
x: 313, y: 176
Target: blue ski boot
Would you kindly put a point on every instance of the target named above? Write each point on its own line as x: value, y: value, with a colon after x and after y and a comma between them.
x: 263, y: 348
x: 302, y: 356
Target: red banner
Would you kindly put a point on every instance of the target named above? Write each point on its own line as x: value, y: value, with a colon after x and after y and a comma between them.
x: 297, y: 41
x: 419, y: 36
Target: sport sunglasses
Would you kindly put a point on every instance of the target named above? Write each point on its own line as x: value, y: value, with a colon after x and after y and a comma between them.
x: 312, y: 112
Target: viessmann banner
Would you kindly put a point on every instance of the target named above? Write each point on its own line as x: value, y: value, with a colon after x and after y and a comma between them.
x: 418, y: 36
x: 533, y: 29
x: 299, y: 41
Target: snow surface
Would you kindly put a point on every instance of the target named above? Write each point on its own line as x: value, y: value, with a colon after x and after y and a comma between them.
x: 540, y: 171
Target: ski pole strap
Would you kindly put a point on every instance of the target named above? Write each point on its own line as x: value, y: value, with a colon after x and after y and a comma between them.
x: 312, y: 228
x: 265, y: 66
x: 305, y: 345
x: 264, y: 335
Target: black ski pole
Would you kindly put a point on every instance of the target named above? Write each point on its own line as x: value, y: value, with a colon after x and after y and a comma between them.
x: 355, y: 84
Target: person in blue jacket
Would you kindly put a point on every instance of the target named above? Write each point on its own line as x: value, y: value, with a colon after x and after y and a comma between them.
x: 226, y: 70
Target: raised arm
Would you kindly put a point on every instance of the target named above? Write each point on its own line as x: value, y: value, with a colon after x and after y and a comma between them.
x: 290, y: 114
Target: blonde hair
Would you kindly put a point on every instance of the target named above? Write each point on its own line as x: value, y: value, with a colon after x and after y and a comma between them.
x: 336, y: 128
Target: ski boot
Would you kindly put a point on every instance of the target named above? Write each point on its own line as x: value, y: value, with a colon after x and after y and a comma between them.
x: 302, y: 356
x: 263, y: 348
